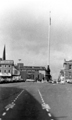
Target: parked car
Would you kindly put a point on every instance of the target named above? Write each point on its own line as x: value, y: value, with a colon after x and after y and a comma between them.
x: 69, y: 80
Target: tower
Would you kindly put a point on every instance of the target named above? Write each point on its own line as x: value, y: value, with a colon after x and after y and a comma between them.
x: 4, y: 54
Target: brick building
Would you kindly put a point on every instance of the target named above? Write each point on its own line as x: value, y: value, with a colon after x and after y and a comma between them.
x: 30, y: 72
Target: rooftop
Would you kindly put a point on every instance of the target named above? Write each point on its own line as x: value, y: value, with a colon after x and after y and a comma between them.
x: 6, y: 62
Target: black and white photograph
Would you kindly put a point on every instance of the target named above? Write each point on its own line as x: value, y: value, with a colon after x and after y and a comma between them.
x: 35, y: 60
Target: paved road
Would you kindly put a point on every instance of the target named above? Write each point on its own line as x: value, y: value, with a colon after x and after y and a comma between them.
x: 59, y: 98
x: 25, y: 107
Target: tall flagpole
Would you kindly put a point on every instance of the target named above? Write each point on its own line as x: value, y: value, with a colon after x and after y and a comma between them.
x: 49, y: 32
x: 48, y: 75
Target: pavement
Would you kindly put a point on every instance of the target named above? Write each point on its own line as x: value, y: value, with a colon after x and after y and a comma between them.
x: 6, y: 96
x: 25, y: 107
x: 36, y: 101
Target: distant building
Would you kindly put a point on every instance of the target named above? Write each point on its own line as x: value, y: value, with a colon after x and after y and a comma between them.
x: 6, y: 67
x: 30, y: 72
x: 67, y: 69
x: 61, y: 76
x: 9, y: 70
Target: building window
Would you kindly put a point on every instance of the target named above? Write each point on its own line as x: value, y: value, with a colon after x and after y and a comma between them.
x: 9, y: 65
x: 5, y: 71
x: 69, y: 66
x: 9, y: 71
x: 0, y: 70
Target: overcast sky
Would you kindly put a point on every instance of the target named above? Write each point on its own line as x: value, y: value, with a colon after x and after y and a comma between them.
x: 24, y: 31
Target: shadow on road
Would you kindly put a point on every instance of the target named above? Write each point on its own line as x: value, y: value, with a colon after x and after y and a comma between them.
x: 27, y: 108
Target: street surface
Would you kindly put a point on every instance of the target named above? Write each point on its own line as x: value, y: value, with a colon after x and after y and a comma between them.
x: 25, y: 107
x: 35, y: 101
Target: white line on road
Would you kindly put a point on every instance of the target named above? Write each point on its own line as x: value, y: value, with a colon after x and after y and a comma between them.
x: 7, y: 109
x: 44, y: 105
x: 13, y: 104
x: 49, y: 114
x: 18, y: 95
x: 4, y: 114
x: 10, y: 105
x: 41, y: 96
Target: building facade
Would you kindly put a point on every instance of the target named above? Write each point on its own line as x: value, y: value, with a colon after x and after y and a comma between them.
x: 6, y: 67
x: 30, y: 72
x: 67, y: 69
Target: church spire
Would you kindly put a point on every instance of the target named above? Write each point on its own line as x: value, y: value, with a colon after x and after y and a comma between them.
x: 4, y: 54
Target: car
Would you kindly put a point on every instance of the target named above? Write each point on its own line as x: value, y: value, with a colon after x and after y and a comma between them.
x: 69, y: 80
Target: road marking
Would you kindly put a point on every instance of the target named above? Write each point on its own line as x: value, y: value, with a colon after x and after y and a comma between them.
x: 18, y: 95
x: 10, y: 106
x: 44, y: 105
x: 7, y: 109
x: 49, y: 114
x: 13, y: 104
x: 41, y: 96
x: 47, y: 110
x: 4, y: 114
